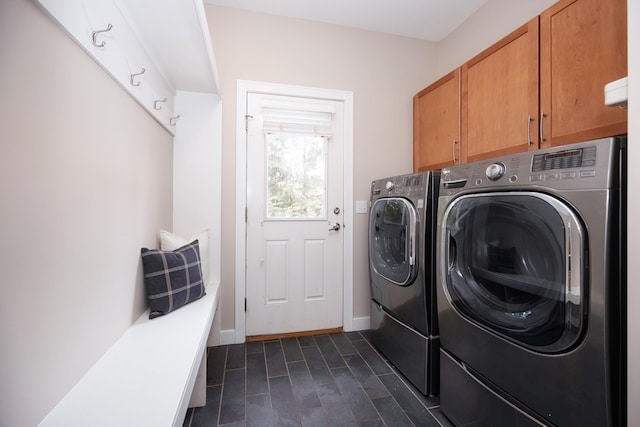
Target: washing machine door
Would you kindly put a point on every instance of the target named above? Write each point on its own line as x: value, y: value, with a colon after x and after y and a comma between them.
x: 392, y: 240
x: 514, y: 266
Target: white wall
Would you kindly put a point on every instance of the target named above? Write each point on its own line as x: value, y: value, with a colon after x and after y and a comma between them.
x: 197, y: 177
x: 493, y: 21
x: 383, y: 72
x: 197, y: 171
x: 633, y: 211
x: 85, y: 182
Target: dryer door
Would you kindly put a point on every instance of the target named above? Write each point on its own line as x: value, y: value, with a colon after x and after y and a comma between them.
x: 514, y: 265
x: 392, y: 240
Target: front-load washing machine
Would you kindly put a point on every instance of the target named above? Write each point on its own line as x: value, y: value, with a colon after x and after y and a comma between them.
x: 402, y: 275
x: 531, y: 288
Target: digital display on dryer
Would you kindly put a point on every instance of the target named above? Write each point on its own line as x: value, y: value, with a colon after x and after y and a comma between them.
x: 566, y: 159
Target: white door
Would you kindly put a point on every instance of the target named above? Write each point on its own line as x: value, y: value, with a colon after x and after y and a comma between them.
x: 294, y: 214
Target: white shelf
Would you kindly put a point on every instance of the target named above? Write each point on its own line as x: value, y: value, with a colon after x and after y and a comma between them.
x: 169, y: 39
x: 176, y: 35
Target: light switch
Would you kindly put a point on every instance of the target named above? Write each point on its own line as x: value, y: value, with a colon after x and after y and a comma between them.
x: 362, y: 206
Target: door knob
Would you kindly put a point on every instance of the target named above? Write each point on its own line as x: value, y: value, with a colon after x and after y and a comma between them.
x: 335, y: 227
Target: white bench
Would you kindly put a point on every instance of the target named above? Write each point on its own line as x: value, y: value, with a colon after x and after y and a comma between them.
x: 147, y: 377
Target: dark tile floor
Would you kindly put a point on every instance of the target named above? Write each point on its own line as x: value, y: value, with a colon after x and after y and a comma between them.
x: 322, y: 380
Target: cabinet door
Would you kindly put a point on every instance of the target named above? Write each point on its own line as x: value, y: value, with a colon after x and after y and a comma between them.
x: 583, y: 46
x: 436, y: 124
x: 500, y: 96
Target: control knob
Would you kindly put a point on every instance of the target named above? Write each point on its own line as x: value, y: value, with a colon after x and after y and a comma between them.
x: 495, y: 171
x: 390, y: 185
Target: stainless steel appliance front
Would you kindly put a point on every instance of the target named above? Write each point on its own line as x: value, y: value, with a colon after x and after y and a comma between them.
x: 402, y: 275
x: 530, y: 289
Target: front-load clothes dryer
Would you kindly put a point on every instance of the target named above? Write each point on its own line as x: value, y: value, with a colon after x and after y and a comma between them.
x: 402, y: 274
x: 531, y: 288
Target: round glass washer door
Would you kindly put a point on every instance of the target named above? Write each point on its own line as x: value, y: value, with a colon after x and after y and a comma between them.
x: 514, y: 265
x: 392, y: 240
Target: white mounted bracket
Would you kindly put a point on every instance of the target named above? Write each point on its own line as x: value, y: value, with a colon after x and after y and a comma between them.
x: 616, y: 93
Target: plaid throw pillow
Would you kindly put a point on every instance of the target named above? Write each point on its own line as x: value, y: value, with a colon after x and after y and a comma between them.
x: 172, y: 278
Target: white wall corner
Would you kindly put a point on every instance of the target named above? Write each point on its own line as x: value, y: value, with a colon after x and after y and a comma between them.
x: 216, y: 326
x: 197, y: 171
x: 360, y: 324
x: 633, y: 209
x: 229, y: 337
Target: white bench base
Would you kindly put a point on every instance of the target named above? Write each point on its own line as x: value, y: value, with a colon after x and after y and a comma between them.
x: 147, y: 377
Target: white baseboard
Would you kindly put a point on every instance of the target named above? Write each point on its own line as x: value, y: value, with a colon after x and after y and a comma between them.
x: 361, y: 323
x: 228, y: 337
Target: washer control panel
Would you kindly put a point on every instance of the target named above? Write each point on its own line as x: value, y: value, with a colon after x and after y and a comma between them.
x: 410, y: 185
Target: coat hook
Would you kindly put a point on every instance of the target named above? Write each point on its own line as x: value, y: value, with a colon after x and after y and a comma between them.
x: 95, y: 33
x: 155, y: 103
x: 174, y: 120
x: 136, y: 74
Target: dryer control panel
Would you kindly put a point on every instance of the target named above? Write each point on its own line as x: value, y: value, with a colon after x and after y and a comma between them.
x: 577, y: 166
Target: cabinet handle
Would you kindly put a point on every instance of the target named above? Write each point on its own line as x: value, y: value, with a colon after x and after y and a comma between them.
x: 542, y: 116
x: 453, y: 148
x: 529, y: 141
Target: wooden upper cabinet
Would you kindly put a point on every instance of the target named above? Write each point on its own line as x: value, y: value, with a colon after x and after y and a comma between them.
x: 500, y: 96
x: 540, y: 86
x: 583, y: 46
x: 436, y: 124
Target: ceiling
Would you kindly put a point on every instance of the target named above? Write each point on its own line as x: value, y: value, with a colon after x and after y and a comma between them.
x: 430, y: 20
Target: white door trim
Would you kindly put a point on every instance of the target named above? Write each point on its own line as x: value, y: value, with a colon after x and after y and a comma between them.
x: 244, y: 87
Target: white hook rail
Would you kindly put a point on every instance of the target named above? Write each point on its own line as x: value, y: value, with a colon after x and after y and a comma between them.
x: 135, y: 35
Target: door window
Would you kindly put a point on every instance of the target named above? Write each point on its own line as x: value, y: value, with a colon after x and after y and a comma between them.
x: 296, y: 176
x: 514, y: 266
x: 392, y: 240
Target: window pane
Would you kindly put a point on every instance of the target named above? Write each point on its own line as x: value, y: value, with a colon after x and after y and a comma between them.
x: 296, y: 176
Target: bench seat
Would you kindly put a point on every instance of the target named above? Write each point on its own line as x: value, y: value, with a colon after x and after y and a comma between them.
x: 146, y: 378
